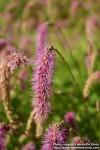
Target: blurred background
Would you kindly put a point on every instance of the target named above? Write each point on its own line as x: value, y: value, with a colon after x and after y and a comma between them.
x: 73, y: 28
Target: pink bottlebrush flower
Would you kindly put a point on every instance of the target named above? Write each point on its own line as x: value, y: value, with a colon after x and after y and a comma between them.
x: 15, y: 60
x: 3, y: 131
x: 41, y: 38
x: 70, y: 119
x: 29, y: 146
x: 56, y: 134
x: 42, y: 80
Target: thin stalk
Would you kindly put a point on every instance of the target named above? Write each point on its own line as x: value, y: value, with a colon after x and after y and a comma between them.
x: 64, y: 42
x: 28, y: 128
x: 68, y: 67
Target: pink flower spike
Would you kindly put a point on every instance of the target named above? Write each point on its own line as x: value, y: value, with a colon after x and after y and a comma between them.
x: 42, y: 81
x: 56, y: 134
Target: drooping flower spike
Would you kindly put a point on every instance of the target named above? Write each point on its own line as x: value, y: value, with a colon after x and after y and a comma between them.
x: 15, y: 60
x: 5, y: 90
x: 7, y: 68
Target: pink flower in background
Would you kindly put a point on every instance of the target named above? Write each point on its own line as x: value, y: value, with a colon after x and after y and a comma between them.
x: 3, y: 43
x: 42, y: 80
x: 29, y: 146
x: 75, y: 6
x: 6, y: 48
x: 41, y: 39
x: 77, y: 140
x: 92, y: 23
x: 61, y: 23
x: 23, y: 76
x: 44, y: 2
x: 26, y: 43
x: 70, y: 119
x: 80, y: 140
x: 90, y: 59
x: 3, y: 131
x: 55, y: 134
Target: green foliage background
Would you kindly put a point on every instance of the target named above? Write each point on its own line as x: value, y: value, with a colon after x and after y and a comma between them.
x: 67, y: 95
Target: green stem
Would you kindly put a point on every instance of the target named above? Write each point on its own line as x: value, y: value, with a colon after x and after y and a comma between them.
x: 68, y: 67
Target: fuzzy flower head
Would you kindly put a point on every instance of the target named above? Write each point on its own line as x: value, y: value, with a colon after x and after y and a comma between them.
x: 41, y: 38
x: 42, y: 81
x: 7, y: 67
x: 3, y: 131
x: 56, y: 134
x: 29, y: 146
x: 70, y: 119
